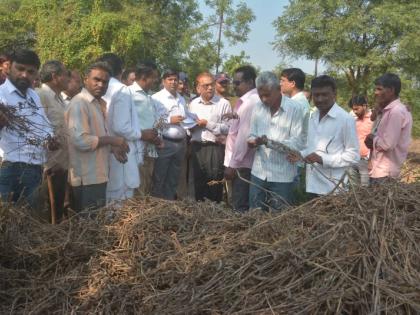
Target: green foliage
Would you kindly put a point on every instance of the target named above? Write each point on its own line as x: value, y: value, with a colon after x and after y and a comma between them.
x: 234, y: 62
x: 358, y: 41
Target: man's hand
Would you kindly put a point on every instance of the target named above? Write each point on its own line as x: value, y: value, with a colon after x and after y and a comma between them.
x: 257, y: 141
x: 53, y: 144
x: 177, y: 119
x: 229, y: 116
x: 230, y: 173
x: 119, y: 154
x: 158, y: 142
x: 121, y: 144
x: 369, y: 141
x: 201, y: 122
x: 149, y: 135
x: 293, y: 157
x: 313, y: 158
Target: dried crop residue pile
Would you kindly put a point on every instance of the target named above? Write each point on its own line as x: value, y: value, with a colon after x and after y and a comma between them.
x: 356, y: 253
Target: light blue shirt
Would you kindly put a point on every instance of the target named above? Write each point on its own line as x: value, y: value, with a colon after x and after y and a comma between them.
x: 148, y: 112
x: 18, y: 147
x: 284, y: 126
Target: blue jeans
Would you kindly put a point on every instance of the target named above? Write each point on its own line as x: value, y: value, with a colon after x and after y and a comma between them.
x: 280, y: 192
x: 19, y: 182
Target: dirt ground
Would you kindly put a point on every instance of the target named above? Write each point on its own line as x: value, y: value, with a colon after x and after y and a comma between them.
x: 414, y: 151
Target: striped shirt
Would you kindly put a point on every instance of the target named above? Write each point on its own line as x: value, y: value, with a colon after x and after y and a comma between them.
x: 284, y: 126
x: 85, y: 118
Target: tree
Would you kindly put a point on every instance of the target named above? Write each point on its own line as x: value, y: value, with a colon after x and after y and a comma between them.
x: 234, y: 62
x: 232, y: 22
x: 358, y: 38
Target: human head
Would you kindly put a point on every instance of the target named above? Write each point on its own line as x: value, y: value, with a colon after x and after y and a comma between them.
x: 359, y: 105
x: 24, y: 65
x: 268, y: 87
x: 114, y: 62
x: 222, y: 81
x: 54, y: 74
x: 97, y: 78
x: 75, y: 84
x: 147, y: 75
x: 183, y: 83
x: 324, y: 91
x: 205, y: 86
x: 170, y: 80
x: 244, y: 80
x: 128, y: 76
x: 387, y: 89
x: 292, y: 81
x: 4, y: 67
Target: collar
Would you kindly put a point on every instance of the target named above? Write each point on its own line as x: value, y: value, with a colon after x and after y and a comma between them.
x: 49, y: 90
x: 136, y: 87
x: 213, y: 100
x: 392, y: 105
x: 333, y: 112
x: 89, y: 97
x: 11, y: 88
x: 64, y: 96
x: 249, y: 94
x: 168, y: 94
x: 298, y: 96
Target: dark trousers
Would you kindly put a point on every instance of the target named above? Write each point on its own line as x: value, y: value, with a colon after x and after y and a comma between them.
x: 20, y: 182
x: 167, y: 169
x: 270, y: 195
x: 240, y: 190
x: 59, y: 185
x: 88, y: 197
x: 207, y: 162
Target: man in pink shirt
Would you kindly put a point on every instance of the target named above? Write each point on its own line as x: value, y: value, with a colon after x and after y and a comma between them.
x: 362, y: 114
x: 389, y: 141
x: 238, y: 156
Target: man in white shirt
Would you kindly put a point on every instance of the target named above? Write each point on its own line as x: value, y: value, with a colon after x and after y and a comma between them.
x: 167, y: 170
x: 276, y: 119
x: 23, y: 149
x: 332, y: 145
x: 207, y: 148
x: 148, y: 114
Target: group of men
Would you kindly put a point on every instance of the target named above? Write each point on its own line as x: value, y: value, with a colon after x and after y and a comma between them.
x: 111, y: 138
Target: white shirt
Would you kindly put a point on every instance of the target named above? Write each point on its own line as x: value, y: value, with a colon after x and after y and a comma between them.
x: 175, y: 105
x: 284, y: 126
x: 123, y: 122
x: 15, y: 146
x: 65, y: 98
x: 213, y: 113
x: 114, y: 86
x: 334, y: 139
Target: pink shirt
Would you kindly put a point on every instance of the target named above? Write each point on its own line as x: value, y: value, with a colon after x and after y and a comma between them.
x: 363, y: 128
x: 237, y: 153
x: 390, y: 145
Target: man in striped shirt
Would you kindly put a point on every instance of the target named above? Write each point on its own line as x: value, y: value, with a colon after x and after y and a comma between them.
x: 89, y: 142
x: 276, y: 119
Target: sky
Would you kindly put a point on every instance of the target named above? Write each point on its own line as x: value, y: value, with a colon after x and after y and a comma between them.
x: 258, y: 46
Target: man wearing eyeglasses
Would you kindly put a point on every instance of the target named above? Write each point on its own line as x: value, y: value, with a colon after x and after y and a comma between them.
x: 207, y: 149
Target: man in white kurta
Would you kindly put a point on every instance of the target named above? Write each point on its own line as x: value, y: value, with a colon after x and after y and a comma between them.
x: 123, y: 122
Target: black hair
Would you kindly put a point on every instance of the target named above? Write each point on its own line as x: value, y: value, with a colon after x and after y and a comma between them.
x: 115, y: 63
x: 358, y: 100
x: 324, y: 81
x: 49, y: 68
x: 98, y: 65
x: 25, y: 57
x: 145, y: 69
x: 390, y: 80
x: 248, y: 73
x: 169, y: 72
x: 296, y: 75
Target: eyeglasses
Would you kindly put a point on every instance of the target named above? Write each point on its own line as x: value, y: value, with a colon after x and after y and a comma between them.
x: 206, y: 86
x: 237, y: 82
